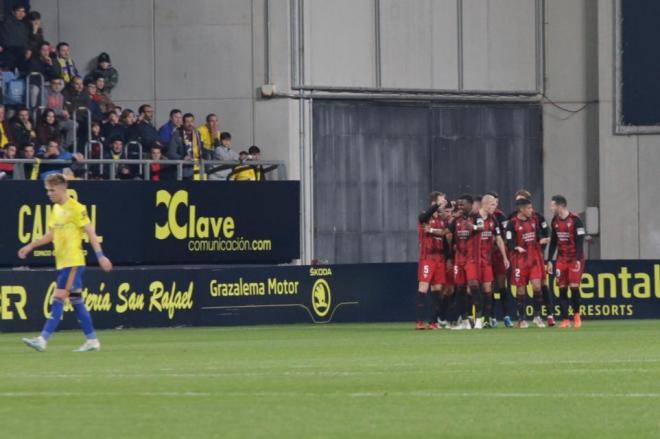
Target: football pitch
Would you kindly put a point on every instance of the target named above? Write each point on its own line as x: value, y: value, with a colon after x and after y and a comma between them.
x: 336, y: 380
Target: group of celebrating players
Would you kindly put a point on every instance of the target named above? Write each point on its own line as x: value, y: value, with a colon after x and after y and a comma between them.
x: 469, y: 249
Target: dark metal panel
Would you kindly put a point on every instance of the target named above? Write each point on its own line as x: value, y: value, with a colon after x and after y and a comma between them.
x: 376, y: 162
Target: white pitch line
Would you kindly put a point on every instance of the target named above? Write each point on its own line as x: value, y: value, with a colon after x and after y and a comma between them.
x: 321, y: 373
x: 505, y: 395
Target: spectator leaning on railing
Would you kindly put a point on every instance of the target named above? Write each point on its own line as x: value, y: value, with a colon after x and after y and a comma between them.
x: 55, y: 152
x: 243, y: 171
x: 116, y: 152
x: 224, y: 152
x: 31, y: 170
x: 158, y: 172
x: 254, y: 153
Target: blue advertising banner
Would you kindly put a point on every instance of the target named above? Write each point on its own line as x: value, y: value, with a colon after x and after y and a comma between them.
x: 147, y: 223
x: 158, y: 297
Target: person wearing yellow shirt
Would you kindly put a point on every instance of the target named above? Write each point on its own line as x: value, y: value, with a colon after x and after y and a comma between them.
x: 210, y: 132
x: 4, y: 136
x: 67, y: 225
x: 244, y: 171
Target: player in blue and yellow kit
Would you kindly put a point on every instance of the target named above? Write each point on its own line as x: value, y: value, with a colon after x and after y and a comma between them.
x: 66, y: 227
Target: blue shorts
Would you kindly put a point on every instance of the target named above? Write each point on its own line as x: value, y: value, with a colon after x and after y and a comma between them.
x: 70, y: 279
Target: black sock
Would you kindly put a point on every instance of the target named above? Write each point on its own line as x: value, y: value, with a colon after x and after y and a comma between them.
x: 444, y: 306
x: 489, y: 309
x: 420, y: 306
x: 575, y: 296
x: 466, y: 304
x: 520, y: 304
x: 547, y: 299
x: 435, y: 306
x: 563, y: 302
x: 505, y: 295
x: 478, y: 300
x: 460, y: 302
x: 537, y: 303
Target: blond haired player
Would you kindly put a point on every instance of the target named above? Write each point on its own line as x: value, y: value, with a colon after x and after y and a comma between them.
x: 68, y: 222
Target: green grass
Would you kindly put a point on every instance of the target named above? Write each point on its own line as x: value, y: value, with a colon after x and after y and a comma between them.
x: 357, y: 381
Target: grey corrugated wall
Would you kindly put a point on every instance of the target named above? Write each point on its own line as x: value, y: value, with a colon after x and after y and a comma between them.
x: 375, y: 163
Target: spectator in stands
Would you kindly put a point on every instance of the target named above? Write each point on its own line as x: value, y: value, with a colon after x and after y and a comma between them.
x: 112, y: 128
x: 165, y: 132
x: 105, y: 70
x: 224, y: 152
x: 68, y: 69
x: 210, y: 132
x: 116, y: 152
x: 186, y: 144
x: 254, y: 154
x: 21, y: 128
x: 126, y: 120
x: 95, y: 149
x: 42, y: 62
x: 7, y: 169
x: 97, y: 135
x: 56, y: 102
x: 243, y: 171
x: 143, y: 131
x: 54, y: 152
x: 76, y: 97
x: 48, y: 127
x: 4, y: 128
x: 94, y: 99
x: 105, y: 102
x: 31, y: 170
x: 157, y: 171
x: 14, y: 40
x: 116, y: 149
x: 36, y: 33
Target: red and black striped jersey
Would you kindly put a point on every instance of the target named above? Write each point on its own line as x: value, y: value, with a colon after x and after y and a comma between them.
x: 567, y: 237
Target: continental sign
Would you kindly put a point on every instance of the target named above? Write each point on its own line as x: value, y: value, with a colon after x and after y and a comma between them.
x: 164, y: 223
x: 285, y: 294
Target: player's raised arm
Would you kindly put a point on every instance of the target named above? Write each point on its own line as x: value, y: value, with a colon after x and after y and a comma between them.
x: 27, y: 249
x: 104, y: 262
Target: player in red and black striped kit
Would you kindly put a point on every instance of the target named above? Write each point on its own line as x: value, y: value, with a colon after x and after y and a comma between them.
x: 465, y: 244
x: 568, y: 237
x: 431, y: 269
x: 490, y: 242
x: 524, y: 238
x: 500, y: 271
x: 545, y: 238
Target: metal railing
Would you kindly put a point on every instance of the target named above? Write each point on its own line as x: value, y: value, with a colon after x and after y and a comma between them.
x: 269, y: 166
x: 74, y: 117
x: 28, y: 90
